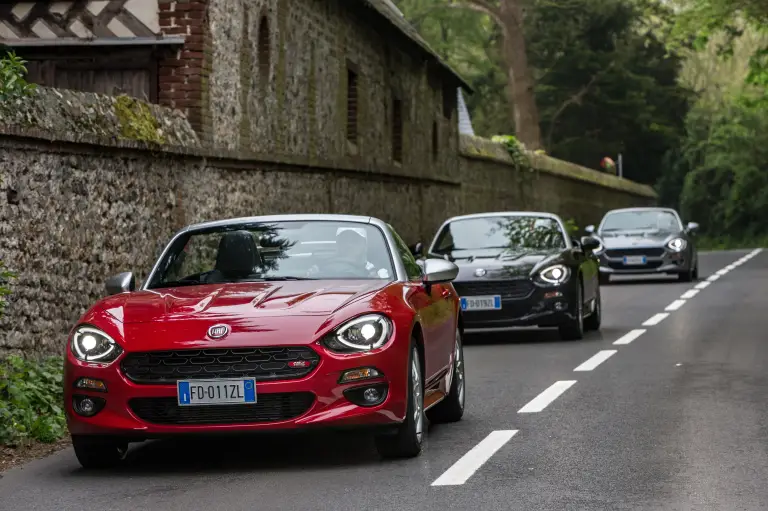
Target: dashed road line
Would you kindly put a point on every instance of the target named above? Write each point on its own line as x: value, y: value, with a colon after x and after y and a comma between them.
x: 656, y: 319
x: 689, y: 294
x: 541, y: 401
x: 713, y: 278
x: 675, y: 305
x: 702, y: 285
x: 468, y: 464
x: 629, y: 337
x: 596, y: 360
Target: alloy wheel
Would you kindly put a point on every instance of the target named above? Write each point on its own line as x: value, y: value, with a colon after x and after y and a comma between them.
x: 418, y: 402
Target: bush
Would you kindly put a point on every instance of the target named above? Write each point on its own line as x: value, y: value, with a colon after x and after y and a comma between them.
x: 31, y: 396
x: 13, y: 83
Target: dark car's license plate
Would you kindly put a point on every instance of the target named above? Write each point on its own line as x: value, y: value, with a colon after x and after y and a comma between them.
x: 481, y: 303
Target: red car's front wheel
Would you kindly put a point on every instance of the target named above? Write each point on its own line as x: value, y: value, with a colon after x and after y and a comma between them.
x: 406, y: 442
x: 99, y: 452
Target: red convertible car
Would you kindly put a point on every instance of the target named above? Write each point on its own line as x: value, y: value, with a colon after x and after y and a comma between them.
x: 265, y: 323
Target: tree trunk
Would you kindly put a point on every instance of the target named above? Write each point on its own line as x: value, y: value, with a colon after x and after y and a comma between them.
x: 520, y: 94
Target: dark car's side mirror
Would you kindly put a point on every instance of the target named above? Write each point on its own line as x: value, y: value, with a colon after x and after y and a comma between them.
x: 439, y: 270
x: 589, y: 243
x: 417, y: 249
x: 590, y: 229
x: 121, y: 283
x: 692, y: 227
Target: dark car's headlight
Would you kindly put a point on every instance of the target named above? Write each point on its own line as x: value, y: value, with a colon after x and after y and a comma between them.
x: 555, y: 274
x: 90, y: 344
x: 599, y: 249
x: 364, y: 333
x: 676, y: 245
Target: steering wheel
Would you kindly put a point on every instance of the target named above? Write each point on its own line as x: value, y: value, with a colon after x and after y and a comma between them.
x: 343, y: 268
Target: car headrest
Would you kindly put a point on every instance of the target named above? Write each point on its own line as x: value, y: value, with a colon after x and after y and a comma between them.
x: 238, y: 255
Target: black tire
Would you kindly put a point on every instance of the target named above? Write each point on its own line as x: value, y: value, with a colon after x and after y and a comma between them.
x: 406, y: 442
x: 99, y: 452
x: 604, y: 279
x: 593, y: 321
x: 686, y: 276
x: 573, y: 328
x: 451, y: 409
x: 696, y: 270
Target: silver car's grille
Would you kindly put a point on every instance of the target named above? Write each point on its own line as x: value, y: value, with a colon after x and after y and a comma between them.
x: 641, y: 251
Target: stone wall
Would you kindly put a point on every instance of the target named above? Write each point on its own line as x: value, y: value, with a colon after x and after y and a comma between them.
x: 75, y: 212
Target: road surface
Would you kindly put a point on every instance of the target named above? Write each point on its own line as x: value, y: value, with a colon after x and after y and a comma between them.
x: 673, y: 416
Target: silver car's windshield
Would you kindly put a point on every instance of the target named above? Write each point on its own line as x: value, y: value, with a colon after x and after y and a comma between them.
x: 647, y: 220
x: 514, y: 233
x: 291, y: 250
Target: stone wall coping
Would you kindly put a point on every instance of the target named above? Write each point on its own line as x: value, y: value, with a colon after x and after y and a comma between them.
x: 223, y: 158
x: 484, y: 149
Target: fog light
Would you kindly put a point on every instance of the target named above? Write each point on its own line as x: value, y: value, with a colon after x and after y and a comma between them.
x: 560, y: 306
x: 368, y: 395
x: 87, y: 406
x: 553, y: 294
x: 91, y: 384
x: 362, y: 373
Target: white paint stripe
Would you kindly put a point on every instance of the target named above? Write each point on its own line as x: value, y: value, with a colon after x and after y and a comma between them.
x: 629, y: 337
x: 541, y: 401
x: 468, y: 464
x: 675, y: 305
x: 722, y: 272
x: 689, y: 294
x: 702, y: 285
x: 596, y: 360
x: 713, y: 278
x: 656, y: 319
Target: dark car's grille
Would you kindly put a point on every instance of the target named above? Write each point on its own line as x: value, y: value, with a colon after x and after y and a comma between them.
x: 516, y: 289
x: 648, y: 252
x: 268, y: 408
x: 159, y: 367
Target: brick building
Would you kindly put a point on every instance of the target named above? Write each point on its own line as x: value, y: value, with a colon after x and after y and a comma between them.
x: 322, y: 80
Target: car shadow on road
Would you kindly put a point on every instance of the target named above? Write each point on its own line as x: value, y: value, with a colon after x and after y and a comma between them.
x: 641, y: 280
x: 245, y: 453
x: 525, y: 336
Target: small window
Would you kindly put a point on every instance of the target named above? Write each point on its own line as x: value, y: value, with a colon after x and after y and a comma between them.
x: 435, y: 140
x: 352, y: 96
x: 397, y: 130
x: 450, y: 97
x: 264, y: 52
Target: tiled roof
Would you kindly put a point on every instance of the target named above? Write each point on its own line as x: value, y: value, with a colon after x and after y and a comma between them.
x: 387, y: 10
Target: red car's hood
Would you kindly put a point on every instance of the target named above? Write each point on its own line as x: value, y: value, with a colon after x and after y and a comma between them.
x: 222, y: 302
x: 258, y: 314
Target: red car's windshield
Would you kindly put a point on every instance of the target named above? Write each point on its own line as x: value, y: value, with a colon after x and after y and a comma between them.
x: 276, y: 251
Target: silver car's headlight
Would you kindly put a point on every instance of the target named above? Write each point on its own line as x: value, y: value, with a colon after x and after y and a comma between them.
x: 676, y: 245
x: 90, y: 344
x: 555, y: 274
x: 364, y: 333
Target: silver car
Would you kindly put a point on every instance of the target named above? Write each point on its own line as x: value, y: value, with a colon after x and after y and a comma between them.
x: 646, y: 241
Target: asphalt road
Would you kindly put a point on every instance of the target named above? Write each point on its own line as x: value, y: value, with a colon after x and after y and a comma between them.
x: 675, y: 419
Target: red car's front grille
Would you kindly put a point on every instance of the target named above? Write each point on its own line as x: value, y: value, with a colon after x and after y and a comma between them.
x: 268, y: 408
x: 269, y: 363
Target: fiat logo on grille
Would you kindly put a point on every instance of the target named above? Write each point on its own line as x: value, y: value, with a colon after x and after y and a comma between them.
x: 218, y: 331
x: 480, y: 272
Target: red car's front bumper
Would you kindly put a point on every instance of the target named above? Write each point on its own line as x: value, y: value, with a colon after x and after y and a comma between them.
x: 329, y: 407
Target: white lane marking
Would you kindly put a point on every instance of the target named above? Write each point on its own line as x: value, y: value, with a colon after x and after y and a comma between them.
x: 629, y: 337
x: 596, y: 360
x: 675, y: 305
x: 702, y: 285
x: 656, y: 319
x: 541, y: 401
x: 722, y: 272
x: 689, y: 294
x: 730, y: 267
x: 468, y: 464
x: 713, y: 278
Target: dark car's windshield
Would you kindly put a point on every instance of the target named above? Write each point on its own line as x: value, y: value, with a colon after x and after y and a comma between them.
x: 511, y: 233
x: 646, y: 220
x: 291, y: 250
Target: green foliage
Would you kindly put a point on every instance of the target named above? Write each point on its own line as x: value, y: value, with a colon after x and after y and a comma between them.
x: 516, y: 150
x: 572, y: 227
x: 13, y: 83
x: 137, y: 121
x: 5, y: 277
x: 31, y: 396
x: 723, y: 168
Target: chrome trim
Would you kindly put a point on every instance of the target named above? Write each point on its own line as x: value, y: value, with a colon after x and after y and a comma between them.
x: 399, y: 267
x: 552, y: 216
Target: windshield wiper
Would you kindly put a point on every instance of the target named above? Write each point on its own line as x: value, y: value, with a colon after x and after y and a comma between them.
x: 178, y: 283
x: 287, y: 277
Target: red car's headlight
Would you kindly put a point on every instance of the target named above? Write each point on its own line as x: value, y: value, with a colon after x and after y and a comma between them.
x: 364, y: 333
x: 90, y: 344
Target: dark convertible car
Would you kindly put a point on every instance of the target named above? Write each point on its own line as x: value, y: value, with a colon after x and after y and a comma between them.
x: 521, y: 269
x: 646, y: 241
